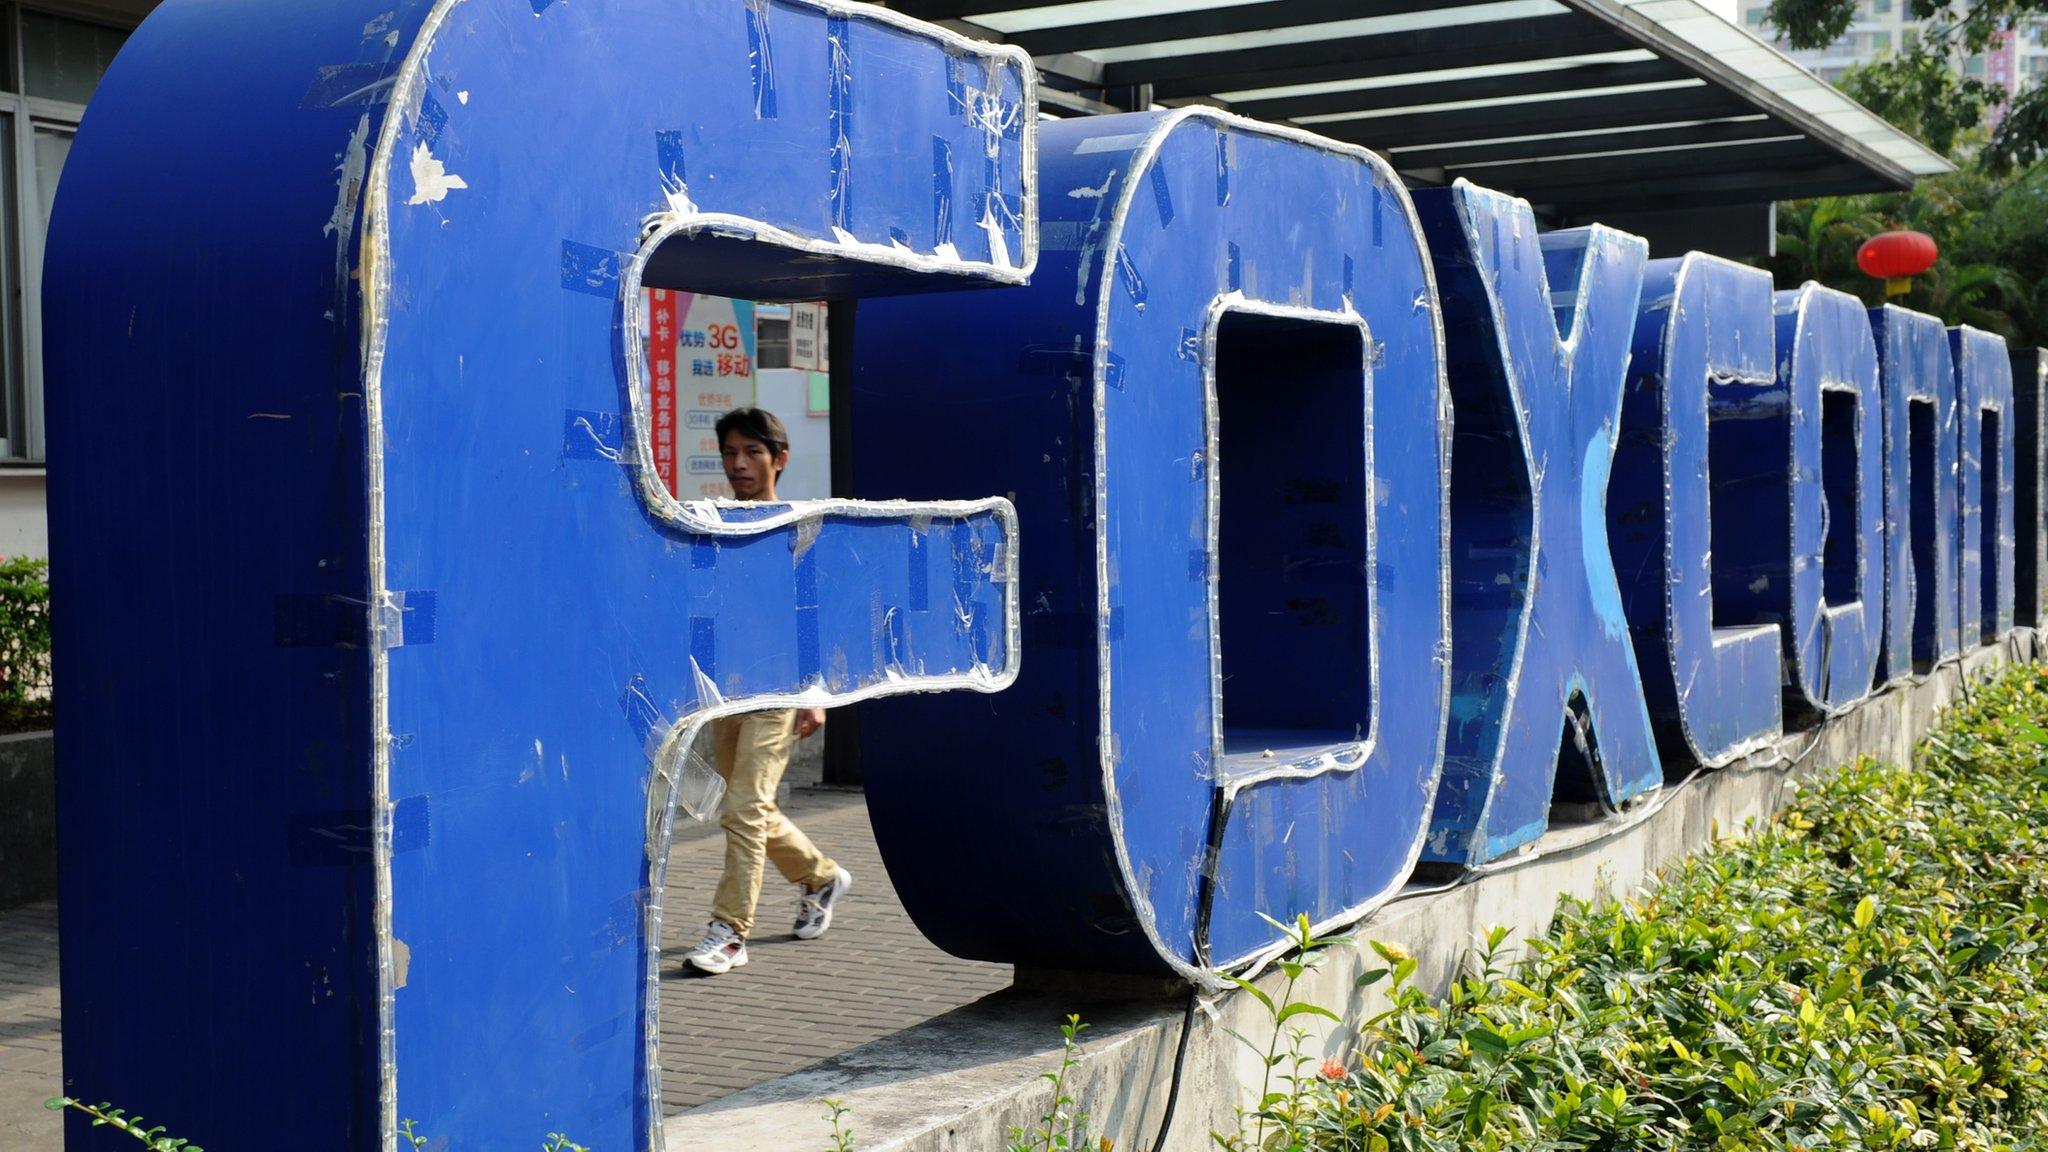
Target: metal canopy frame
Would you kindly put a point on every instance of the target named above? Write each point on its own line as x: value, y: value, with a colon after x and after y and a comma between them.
x: 1582, y: 106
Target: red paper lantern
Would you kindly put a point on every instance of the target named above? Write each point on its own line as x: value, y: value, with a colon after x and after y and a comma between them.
x: 1897, y: 257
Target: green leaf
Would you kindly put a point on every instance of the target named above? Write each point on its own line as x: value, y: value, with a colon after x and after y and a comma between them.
x: 1303, y: 1008
x: 1253, y: 989
x: 1476, y: 1110
x: 1438, y: 1049
x: 1866, y: 911
x: 1483, y: 1039
x: 1255, y: 1045
x: 2026, y: 731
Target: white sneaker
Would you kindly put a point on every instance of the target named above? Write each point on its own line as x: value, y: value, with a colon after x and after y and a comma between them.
x: 814, y: 909
x: 721, y: 950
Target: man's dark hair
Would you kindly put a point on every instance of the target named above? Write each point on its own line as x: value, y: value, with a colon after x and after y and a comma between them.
x: 755, y: 424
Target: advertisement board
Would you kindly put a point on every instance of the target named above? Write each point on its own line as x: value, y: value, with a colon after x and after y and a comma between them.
x: 808, y: 346
x: 700, y: 360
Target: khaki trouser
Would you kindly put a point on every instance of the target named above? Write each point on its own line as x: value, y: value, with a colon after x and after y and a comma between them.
x: 752, y: 753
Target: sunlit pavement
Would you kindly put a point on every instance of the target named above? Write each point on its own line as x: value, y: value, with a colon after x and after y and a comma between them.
x: 30, y: 1060
x: 795, y: 1003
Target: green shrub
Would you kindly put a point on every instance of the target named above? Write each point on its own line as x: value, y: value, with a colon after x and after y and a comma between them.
x: 104, y: 1115
x: 24, y: 644
x: 1867, y: 972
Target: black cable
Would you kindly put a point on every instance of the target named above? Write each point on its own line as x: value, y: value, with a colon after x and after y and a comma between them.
x: 1180, y: 1056
x: 1205, y: 901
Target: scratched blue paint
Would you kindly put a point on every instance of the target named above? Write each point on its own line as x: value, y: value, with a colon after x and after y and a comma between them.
x: 281, y: 452
x: 371, y: 470
x: 1916, y: 371
x: 2030, y: 485
x: 1984, y: 485
x: 1543, y: 670
x: 1831, y: 591
x: 1685, y: 535
x: 1190, y: 352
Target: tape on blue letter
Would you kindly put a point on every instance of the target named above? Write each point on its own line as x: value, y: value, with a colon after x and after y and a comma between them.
x: 1213, y: 374
x: 1984, y: 485
x: 491, y: 208
x: 1543, y: 669
x: 1832, y: 591
x: 1692, y: 539
x: 1917, y: 372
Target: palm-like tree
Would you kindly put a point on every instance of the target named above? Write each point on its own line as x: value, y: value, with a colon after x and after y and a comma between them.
x: 1983, y: 296
x: 1817, y: 239
x: 1992, y: 232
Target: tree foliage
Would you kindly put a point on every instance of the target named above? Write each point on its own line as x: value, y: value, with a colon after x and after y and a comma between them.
x: 1993, y: 271
x: 1918, y: 87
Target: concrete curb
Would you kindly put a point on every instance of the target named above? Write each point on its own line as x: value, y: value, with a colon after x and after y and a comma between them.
x: 959, y: 1082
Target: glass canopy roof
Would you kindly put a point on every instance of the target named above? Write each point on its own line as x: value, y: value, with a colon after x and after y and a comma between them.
x: 1582, y: 106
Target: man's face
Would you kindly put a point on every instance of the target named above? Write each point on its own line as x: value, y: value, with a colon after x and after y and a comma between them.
x: 750, y: 466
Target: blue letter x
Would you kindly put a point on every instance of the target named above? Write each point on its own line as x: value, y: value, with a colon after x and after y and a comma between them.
x: 1540, y: 647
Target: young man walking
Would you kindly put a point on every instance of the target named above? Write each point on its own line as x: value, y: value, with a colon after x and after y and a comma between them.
x: 753, y: 752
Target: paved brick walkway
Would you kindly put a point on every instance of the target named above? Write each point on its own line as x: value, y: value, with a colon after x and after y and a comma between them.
x: 30, y: 1069
x: 797, y: 1001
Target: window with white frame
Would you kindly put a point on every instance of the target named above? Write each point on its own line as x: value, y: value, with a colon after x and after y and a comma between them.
x: 50, y: 66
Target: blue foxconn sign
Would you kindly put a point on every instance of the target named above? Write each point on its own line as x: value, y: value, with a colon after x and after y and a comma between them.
x: 1283, y: 527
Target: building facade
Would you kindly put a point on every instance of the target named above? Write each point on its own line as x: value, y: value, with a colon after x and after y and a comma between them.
x: 52, y: 56
x: 1887, y: 27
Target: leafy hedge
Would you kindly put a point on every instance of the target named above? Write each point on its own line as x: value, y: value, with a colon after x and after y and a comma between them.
x: 1865, y: 973
x: 24, y: 644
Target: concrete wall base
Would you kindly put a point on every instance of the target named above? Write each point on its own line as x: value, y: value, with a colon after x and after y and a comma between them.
x: 960, y: 1082
x: 28, y: 818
